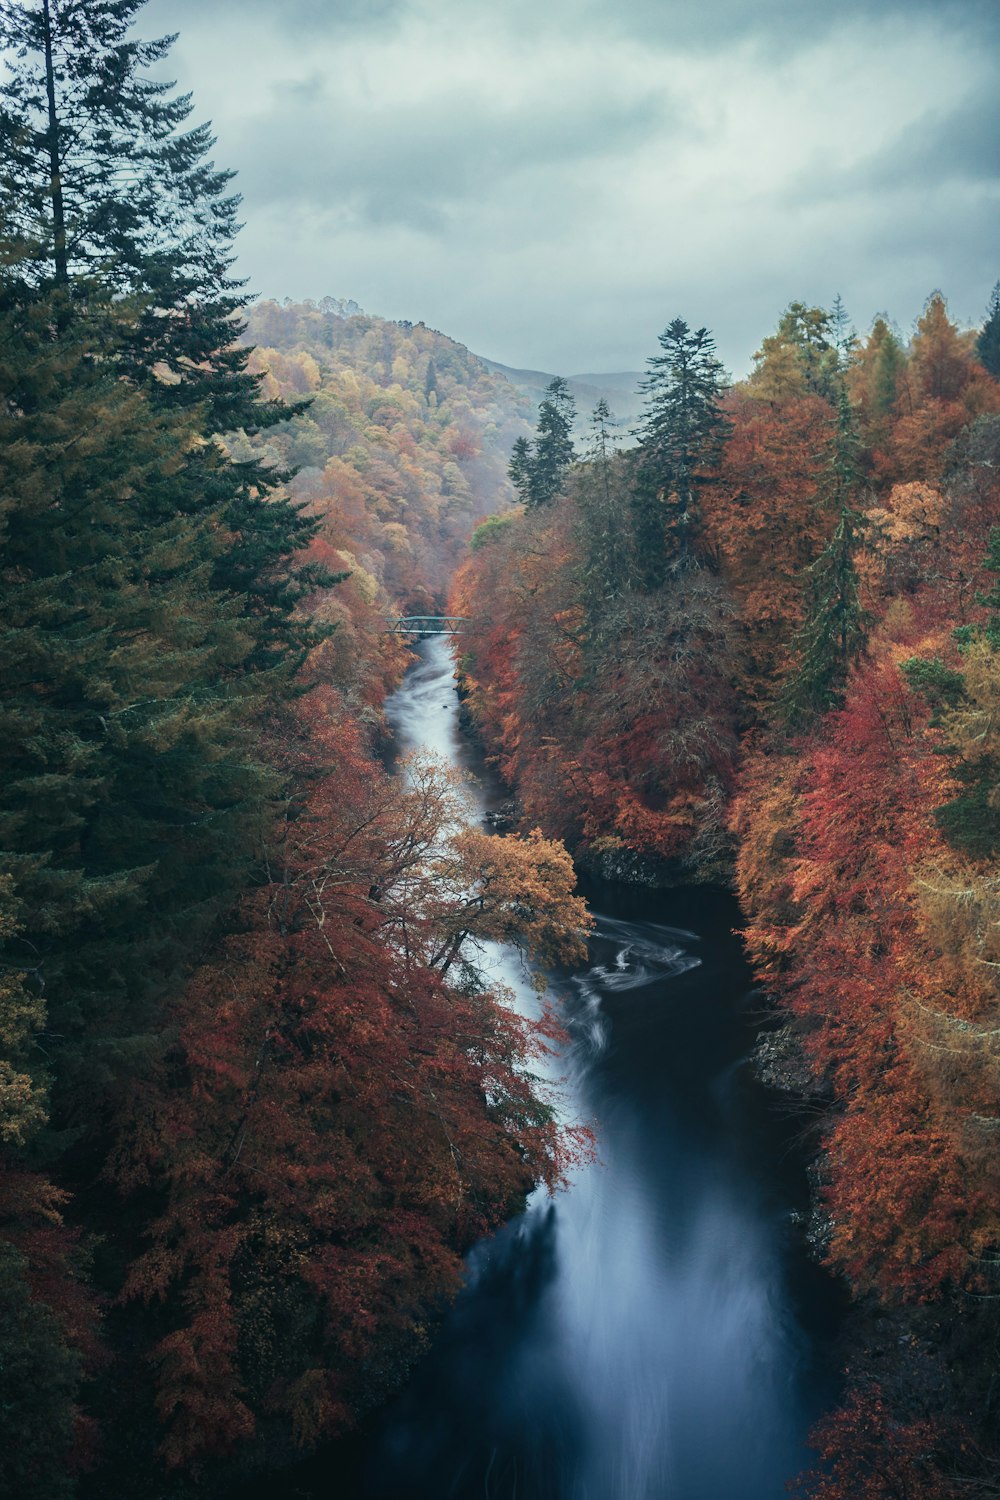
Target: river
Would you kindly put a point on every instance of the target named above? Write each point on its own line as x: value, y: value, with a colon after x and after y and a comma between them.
x: 655, y: 1332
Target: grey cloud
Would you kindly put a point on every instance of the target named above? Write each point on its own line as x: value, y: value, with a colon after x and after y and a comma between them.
x: 938, y: 149
x: 964, y: 144
x: 303, y: 18
x: 919, y: 242
x: 774, y: 25
x: 417, y: 165
x: 552, y: 232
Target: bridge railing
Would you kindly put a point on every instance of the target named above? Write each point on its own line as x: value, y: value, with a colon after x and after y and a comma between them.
x: 427, y: 624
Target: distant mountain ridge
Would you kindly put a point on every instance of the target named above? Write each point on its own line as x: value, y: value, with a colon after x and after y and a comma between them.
x: 271, y: 323
x: 619, y: 389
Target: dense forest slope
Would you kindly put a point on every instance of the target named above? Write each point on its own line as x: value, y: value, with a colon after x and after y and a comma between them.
x: 255, y: 1096
x: 254, y: 1103
x: 404, y: 443
x: 767, y: 641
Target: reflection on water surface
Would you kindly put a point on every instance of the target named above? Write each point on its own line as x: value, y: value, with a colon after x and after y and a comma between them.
x: 645, y: 1335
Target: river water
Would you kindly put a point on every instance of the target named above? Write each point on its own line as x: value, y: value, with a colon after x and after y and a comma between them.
x: 655, y: 1332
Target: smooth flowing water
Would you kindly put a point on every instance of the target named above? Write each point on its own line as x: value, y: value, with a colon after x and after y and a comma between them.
x: 652, y: 1332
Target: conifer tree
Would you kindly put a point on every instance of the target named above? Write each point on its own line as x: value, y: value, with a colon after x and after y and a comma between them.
x: 130, y: 797
x: 680, y: 442
x: 603, y: 436
x: 988, y: 342
x: 537, y: 470
x: 833, y: 632
x: 940, y: 357
x: 102, y: 180
x: 553, y: 442
x: 40, y: 1374
x: 519, y: 469
x: 965, y: 705
x: 889, y: 364
x: 845, y: 340
x: 875, y: 379
x: 23, y: 1074
x: 802, y: 356
x: 606, y: 561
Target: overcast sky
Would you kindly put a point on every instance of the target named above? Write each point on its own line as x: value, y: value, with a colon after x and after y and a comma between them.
x: 551, y: 182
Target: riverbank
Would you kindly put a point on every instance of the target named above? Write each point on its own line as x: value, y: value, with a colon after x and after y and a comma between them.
x: 657, y: 1324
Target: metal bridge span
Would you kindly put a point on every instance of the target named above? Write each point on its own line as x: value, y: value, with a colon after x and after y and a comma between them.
x: 427, y: 624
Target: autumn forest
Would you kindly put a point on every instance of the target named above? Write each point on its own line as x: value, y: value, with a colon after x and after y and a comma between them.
x: 258, y: 1094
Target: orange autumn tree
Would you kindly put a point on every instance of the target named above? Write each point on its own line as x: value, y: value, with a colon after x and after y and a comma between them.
x: 609, y: 706
x: 865, y: 868
x: 867, y: 1453
x: 404, y: 442
x: 764, y: 520
x: 838, y: 948
x: 874, y: 934
x: 521, y: 658
x: 348, y: 1104
x: 943, y: 388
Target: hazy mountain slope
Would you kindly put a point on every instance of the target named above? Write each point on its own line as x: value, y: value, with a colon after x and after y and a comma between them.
x: 404, y: 445
x: 620, y: 390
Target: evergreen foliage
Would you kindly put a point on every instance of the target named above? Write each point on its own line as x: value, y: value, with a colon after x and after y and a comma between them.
x: 890, y: 361
x: 231, y: 947
x: 129, y: 796
x: 970, y: 821
x: 988, y: 342
x: 430, y: 383
x: 23, y: 1070
x: 833, y: 632
x: 101, y: 178
x: 537, y: 470
x: 939, y: 685
x: 553, y: 441
x: 607, y: 561
x: 615, y: 715
x: 681, y: 439
x: 602, y: 433
x: 844, y: 337
x: 520, y: 470
x: 39, y: 1376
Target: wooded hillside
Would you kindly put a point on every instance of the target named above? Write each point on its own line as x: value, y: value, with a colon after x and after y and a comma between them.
x: 767, y: 639
x: 254, y: 1103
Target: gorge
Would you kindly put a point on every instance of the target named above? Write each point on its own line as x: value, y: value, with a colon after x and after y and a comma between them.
x: 656, y: 1329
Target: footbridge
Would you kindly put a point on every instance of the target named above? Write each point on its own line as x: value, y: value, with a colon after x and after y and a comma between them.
x: 427, y: 624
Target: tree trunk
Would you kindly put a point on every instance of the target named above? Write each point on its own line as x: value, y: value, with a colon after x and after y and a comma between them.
x: 55, y: 165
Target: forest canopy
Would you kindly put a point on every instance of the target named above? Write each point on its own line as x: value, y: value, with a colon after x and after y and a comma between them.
x: 761, y: 645
x: 257, y: 1095
x: 246, y: 1131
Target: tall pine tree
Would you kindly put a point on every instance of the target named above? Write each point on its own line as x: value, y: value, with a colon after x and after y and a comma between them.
x: 130, y: 796
x: 988, y: 342
x: 537, y: 471
x: 833, y: 632
x: 553, y: 441
x: 681, y: 436
x: 103, y: 180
